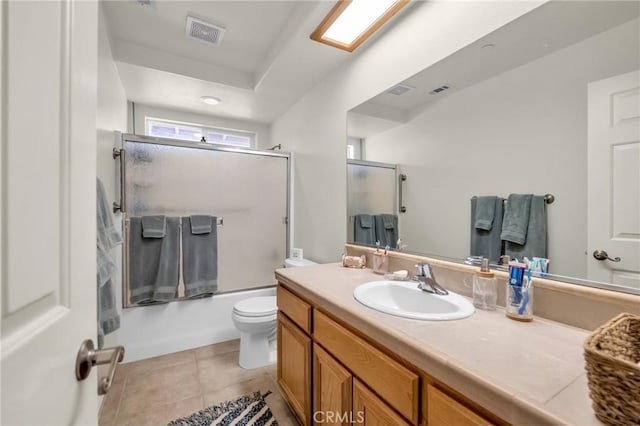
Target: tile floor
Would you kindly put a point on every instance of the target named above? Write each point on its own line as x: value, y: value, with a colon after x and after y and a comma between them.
x: 157, y: 390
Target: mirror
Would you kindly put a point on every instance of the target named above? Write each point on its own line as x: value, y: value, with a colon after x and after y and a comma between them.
x: 518, y: 111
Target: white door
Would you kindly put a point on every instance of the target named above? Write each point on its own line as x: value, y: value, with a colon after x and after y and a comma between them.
x: 614, y: 179
x: 48, y: 275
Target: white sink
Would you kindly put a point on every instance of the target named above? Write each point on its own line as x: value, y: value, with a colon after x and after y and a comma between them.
x: 405, y: 299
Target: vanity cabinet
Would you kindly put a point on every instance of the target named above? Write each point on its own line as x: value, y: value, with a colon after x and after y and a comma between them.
x: 294, y: 353
x: 370, y: 410
x: 445, y: 411
x: 332, y: 389
x: 353, y: 380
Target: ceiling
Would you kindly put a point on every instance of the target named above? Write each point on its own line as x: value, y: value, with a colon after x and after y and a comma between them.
x: 263, y: 65
x: 548, y: 28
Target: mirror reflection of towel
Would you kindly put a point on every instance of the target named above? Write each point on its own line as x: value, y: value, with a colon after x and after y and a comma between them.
x: 487, y: 243
x: 485, y: 212
x: 386, y: 229
x: 516, y: 218
x: 535, y: 244
x: 364, y: 230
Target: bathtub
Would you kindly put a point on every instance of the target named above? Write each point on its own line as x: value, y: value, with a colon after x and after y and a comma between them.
x: 156, y: 330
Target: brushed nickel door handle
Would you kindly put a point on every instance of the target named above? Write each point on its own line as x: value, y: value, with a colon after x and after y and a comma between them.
x: 603, y: 255
x: 88, y: 356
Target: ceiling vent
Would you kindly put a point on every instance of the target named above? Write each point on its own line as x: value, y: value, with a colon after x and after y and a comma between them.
x: 204, y: 31
x: 399, y: 89
x: 438, y: 90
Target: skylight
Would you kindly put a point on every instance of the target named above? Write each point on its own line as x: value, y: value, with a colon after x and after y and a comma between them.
x: 351, y: 22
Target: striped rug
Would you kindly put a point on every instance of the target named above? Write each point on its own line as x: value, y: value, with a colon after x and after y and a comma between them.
x: 247, y: 410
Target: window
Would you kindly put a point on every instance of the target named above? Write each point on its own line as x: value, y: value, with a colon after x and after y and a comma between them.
x: 194, y: 132
x: 354, y: 148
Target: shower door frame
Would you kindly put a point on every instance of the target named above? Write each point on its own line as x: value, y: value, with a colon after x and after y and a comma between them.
x: 120, y: 153
x: 396, y: 191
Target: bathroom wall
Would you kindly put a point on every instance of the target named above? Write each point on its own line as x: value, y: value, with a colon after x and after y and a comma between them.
x: 315, y: 127
x: 156, y: 330
x: 541, y: 105
x: 262, y: 130
x: 111, y: 116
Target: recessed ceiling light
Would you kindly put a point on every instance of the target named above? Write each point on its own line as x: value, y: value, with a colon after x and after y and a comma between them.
x: 211, y: 100
x: 351, y: 22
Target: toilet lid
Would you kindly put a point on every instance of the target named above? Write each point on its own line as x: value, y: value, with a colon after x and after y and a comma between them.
x: 256, y: 306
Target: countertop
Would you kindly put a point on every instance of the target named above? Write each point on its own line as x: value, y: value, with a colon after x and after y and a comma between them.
x: 526, y: 373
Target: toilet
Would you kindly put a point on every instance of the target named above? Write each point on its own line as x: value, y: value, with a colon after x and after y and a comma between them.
x: 256, y: 319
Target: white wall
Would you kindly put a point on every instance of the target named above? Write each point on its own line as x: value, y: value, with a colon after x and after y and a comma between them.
x: 111, y: 116
x: 263, y: 131
x: 315, y: 127
x: 524, y: 131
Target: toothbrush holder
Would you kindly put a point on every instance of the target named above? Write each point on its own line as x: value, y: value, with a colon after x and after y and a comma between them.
x: 380, y: 263
x: 519, y: 302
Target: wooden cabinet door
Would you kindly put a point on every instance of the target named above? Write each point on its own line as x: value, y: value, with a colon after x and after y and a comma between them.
x: 332, y: 384
x: 445, y: 411
x: 294, y: 367
x: 370, y: 410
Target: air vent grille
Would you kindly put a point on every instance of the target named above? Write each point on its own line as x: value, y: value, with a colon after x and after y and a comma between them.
x: 439, y: 90
x: 204, y: 31
x: 399, y: 89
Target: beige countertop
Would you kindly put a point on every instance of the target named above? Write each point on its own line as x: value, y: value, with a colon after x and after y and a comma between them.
x: 526, y: 373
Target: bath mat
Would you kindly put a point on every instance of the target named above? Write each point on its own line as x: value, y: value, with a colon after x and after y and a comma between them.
x: 247, y: 410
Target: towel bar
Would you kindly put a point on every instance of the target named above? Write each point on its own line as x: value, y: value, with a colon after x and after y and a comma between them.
x: 119, y: 206
x: 548, y: 198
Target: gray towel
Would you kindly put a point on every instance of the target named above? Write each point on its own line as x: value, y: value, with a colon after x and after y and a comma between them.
x: 108, y: 316
x: 200, y: 224
x: 487, y: 243
x: 154, y: 226
x: 485, y: 211
x: 536, y: 243
x: 153, y: 263
x: 107, y: 237
x: 516, y: 218
x: 364, y: 230
x: 199, y: 260
x: 386, y: 229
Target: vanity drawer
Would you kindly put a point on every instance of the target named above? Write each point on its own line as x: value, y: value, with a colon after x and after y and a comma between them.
x: 295, y: 308
x: 394, y: 383
x: 444, y: 411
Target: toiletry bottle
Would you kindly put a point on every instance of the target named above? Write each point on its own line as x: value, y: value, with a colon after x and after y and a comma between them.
x: 485, y: 288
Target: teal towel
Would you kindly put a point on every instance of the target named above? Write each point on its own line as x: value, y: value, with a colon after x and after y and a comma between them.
x: 199, y: 259
x: 200, y: 224
x: 386, y: 226
x: 365, y: 220
x: 153, y: 263
x: 516, y: 218
x: 364, y: 230
x: 154, y: 226
x: 107, y: 237
x: 485, y: 211
x: 536, y: 243
x: 487, y: 243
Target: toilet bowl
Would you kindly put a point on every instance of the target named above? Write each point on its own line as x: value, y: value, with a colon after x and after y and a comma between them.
x: 256, y: 319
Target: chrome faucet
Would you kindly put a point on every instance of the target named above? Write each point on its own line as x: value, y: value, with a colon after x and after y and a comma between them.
x: 427, y: 281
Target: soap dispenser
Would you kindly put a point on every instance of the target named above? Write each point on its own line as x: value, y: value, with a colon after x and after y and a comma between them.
x: 485, y: 288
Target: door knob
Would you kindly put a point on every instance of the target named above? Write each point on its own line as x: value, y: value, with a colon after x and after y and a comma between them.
x: 88, y: 356
x: 603, y: 255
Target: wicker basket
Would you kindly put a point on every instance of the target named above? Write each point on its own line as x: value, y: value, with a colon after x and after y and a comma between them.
x: 612, y: 353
